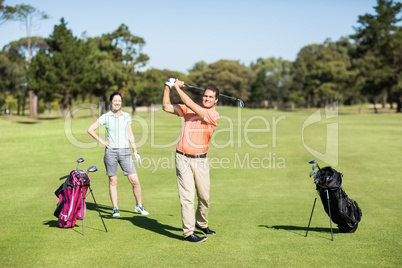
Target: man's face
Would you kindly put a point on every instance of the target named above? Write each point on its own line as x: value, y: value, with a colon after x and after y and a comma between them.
x: 209, y: 99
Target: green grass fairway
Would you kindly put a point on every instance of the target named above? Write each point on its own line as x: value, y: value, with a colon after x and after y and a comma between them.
x: 261, y: 194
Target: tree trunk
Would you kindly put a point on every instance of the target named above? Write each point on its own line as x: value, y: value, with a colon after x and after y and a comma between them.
x: 133, y: 97
x: 91, y: 107
x: 24, y: 99
x: 70, y: 104
x: 33, y: 104
x: 102, y: 105
x: 309, y: 101
x: 49, y: 107
x: 19, y: 103
x: 399, y: 104
x: 384, y: 101
x: 64, y: 104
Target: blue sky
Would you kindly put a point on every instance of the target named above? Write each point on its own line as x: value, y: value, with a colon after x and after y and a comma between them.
x: 180, y: 33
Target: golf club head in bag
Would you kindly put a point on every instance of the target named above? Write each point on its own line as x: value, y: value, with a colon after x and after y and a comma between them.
x: 315, y: 164
x: 79, y: 160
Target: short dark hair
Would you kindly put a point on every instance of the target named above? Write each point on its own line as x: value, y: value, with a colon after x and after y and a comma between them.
x: 114, y: 94
x: 214, y: 89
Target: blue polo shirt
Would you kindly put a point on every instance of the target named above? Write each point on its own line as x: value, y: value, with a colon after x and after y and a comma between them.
x: 117, y: 128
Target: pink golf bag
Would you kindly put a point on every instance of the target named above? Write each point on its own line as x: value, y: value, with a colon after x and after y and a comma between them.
x: 71, y: 194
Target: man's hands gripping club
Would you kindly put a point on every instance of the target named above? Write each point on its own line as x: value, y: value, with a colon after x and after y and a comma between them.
x: 170, y: 82
x: 168, y: 107
x: 173, y: 81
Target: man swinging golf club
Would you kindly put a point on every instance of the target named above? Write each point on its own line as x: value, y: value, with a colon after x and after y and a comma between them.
x: 192, y: 165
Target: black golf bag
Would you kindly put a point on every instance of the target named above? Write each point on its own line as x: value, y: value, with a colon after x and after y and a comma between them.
x: 343, y: 211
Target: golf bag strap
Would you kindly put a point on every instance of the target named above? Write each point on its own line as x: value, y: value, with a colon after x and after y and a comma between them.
x: 64, y: 177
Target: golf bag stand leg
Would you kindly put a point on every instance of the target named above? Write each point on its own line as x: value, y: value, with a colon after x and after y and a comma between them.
x: 330, y: 219
x: 311, y: 213
x: 90, y: 189
x: 82, y: 211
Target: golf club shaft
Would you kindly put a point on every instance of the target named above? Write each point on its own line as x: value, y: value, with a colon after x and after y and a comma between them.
x: 190, y: 86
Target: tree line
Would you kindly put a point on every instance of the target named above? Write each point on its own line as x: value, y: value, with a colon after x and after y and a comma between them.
x: 63, y: 69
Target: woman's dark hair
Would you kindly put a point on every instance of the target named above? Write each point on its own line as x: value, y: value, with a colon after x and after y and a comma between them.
x: 114, y: 94
x: 214, y: 89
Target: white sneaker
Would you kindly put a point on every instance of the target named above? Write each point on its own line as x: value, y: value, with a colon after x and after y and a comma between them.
x: 141, y: 210
x: 116, y: 212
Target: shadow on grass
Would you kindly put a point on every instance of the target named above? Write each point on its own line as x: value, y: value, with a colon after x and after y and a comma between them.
x: 53, y: 223
x: 297, y: 229
x: 154, y: 226
x: 27, y: 122
x: 139, y: 221
x: 50, y: 118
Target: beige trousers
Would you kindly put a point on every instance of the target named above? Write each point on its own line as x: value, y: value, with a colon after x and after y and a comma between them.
x: 193, y: 174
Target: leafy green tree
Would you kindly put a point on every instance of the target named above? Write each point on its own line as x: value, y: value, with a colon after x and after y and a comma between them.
x: 11, y: 104
x: 29, y: 16
x: 151, y: 84
x: 4, y: 78
x: 396, y: 55
x: 304, y: 72
x: 129, y: 52
x: 102, y: 68
x: 18, y: 51
x: 376, y: 57
x: 321, y: 72
x: 6, y: 12
x: 199, y: 67
x: 12, y: 76
x: 273, y: 79
x: 231, y: 77
x: 55, y: 72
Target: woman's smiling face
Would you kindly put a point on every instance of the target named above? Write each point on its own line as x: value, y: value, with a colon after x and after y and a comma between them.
x: 116, y: 103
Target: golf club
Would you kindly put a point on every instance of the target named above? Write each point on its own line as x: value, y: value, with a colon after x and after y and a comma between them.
x: 241, y: 103
x: 312, y: 173
x: 313, y: 167
x: 314, y: 162
x: 92, y: 169
x: 79, y: 160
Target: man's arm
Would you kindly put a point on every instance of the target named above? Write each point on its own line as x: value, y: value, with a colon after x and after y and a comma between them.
x: 187, y: 100
x: 167, y: 105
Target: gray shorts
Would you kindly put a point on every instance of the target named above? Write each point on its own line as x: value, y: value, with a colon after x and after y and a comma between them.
x: 121, y: 156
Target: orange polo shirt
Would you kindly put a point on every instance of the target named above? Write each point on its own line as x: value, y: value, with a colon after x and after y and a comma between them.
x: 197, y: 131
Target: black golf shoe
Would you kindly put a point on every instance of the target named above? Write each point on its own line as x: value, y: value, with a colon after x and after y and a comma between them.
x: 194, y: 238
x: 206, y: 231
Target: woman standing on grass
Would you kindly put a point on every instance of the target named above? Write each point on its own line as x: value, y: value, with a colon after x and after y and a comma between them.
x: 120, y: 138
